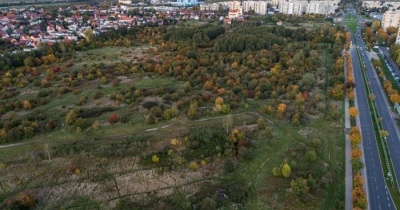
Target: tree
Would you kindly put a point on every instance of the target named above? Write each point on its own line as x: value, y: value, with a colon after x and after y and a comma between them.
x: 337, y: 92
x: 50, y: 58
x: 276, y: 171
x: 218, y: 104
x: 88, y: 33
x: 26, y: 104
x: 351, y: 95
x: 187, y: 87
x: 170, y: 113
x: 299, y: 186
x: 236, y: 135
x: 286, y: 170
x: 376, y: 24
x: 384, y: 133
x: 29, y: 61
x: 353, y: 112
x: 361, y: 203
x: 192, y: 112
x: 281, y: 109
x: 71, y: 117
x: 355, y: 136
x: 155, y: 159
x: 358, y: 180
x: 371, y: 96
x: 395, y: 98
x: 96, y: 125
x: 308, y: 81
x: 357, y: 164
x: 356, y: 153
x: 174, y: 142
x: 261, y: 123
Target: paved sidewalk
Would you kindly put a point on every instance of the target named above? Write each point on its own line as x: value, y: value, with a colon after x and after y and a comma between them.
x: 348, y: 172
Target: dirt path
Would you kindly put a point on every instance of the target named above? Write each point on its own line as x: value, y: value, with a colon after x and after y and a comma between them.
x: 11, y: 145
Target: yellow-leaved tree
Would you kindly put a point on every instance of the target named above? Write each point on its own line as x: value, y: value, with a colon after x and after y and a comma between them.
x: 280, y: 110
x: 353, y: 111
x: 286, y: 170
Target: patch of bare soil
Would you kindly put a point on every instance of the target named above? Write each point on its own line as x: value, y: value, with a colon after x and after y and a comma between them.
x: 306, y: 132
x: 124, y: 79
x: 28, y: 92
x: 135, y: 54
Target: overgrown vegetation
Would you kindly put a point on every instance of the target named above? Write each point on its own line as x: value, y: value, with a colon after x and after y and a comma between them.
x: 179, y: 120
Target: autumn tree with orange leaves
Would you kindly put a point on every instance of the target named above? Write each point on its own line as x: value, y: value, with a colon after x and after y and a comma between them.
x: 353, y: 112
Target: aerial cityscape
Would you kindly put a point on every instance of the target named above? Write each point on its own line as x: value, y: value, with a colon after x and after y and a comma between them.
x: 189, y: 104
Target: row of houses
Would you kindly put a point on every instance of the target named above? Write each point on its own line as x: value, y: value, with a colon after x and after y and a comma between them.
x: 28, y: 27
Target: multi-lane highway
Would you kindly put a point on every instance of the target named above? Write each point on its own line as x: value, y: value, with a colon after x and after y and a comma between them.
x: 384, y: 111
x: 378, y: 193
x: 379, y: 196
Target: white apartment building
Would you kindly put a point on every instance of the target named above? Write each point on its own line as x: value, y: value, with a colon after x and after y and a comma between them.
x: 321, y: 7
x: 212, y: 7
x: 125, y: 1
x: 259, y: 7
x: 390, y: 18
x: 371, y: 4
x: 291, y: 7
x: 185, y: 3
x: 308, y: 7
x: 232, y: 5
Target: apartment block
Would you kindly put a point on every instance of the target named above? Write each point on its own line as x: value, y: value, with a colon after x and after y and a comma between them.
x: 259, y: 7
x: 390, y: 18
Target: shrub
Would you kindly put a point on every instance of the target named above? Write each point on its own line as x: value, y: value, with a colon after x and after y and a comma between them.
x: 156, y: 111
x: 276, y: 171
x: 193, y: 166
x: 357, y: 165
x: 299, y: 186
x: 150, y: 119
x: 114, y: 118
x: 96, y: 125
x: 311, y: 156
x: 261, y: 123
x: 170, y: 113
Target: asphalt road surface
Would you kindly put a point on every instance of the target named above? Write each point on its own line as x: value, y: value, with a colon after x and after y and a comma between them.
x: 378, y: 194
